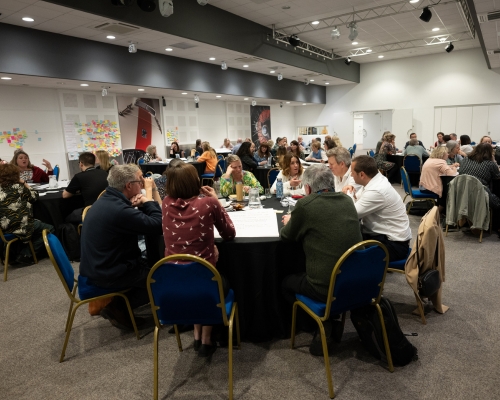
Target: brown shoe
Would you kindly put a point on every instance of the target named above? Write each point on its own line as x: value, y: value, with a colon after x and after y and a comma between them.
x: 120, y: 319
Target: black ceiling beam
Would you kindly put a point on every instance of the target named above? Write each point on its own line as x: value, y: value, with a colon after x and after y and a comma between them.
x: 472, y: 9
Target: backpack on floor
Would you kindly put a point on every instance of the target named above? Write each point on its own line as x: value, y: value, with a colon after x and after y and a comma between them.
x: 419, y: 207
x: 70, y: 240
x: 367, y: 324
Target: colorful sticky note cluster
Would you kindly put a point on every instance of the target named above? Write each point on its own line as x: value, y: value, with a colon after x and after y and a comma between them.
x: 172, y: 135
x: 99, y: 135
x: 15, y: 139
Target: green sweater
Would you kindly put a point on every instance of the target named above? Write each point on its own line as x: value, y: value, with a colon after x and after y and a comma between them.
x: 327, y: 225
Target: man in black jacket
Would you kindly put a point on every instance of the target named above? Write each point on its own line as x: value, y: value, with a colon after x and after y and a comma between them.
x: 111, y: 257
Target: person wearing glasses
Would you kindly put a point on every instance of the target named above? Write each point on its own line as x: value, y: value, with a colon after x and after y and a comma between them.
x: 111, y: 258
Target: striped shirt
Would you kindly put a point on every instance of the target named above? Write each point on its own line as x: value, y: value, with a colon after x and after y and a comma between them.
x: 485, y: 171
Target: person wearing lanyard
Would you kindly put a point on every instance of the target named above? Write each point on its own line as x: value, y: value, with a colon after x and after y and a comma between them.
x: 89, y: 183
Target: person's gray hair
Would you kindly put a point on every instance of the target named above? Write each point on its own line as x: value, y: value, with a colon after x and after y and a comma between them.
x: 341, y: 154
x: 450, y: 145
x: 150, y: 149
x: 120, y: 175
x: 318, y: 177
x: 413, y: 142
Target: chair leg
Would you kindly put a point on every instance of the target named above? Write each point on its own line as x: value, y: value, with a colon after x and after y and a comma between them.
x: 481, y: 237
x: 294, y: 317
x: 409, y: 208
x: 446, y: 234
x: 6, y: 261
x: 70, y: 308
x: 132, y: 316
x: 33, y: 252
x: 420, y: 309
x: 230, y: 354
x: 386, y: 341
x: 68, y: 331
x: 237, y: 326
x: 326, y: 359
x: 155, y: 364
x: 179, y: 343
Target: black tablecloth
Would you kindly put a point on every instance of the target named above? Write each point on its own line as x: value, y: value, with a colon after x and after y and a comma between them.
x: 261, y: 175
x: 394, y: 174
x: 53, y: 209
x: 159, y: 168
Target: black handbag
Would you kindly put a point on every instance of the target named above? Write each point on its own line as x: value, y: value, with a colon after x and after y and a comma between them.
x: 429, y: 282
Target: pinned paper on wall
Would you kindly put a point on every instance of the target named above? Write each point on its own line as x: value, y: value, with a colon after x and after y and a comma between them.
x: 93, y: 136
x: 15, y: 138
x: 172, y: 135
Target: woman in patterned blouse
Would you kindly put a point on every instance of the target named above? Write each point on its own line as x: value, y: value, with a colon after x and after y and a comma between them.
x: 235, y: 174
x: 29, y: 172
x: 151, y: 154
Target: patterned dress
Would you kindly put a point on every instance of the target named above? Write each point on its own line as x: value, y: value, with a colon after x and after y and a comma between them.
x: 16, y: 210
x: 381, y: 156
x: 228, y: 186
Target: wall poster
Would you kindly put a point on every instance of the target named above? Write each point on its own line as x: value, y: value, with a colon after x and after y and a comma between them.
x: 260, y: 120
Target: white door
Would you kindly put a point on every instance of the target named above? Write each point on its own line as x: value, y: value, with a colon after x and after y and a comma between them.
x: 372, y: 124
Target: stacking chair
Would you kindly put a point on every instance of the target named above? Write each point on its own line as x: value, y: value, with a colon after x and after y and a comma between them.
x: 84, y: 213
x: 217, y: 174
x: 86, y: 291
x: 190, y: 293
x: 272, y: 174
x: 372, y: 153
x: 7, y: 240
x: 140, y: 161
x: 100, y: 194
x: 56, y: 171
x: 399, y: 267
x: 413, y: 165
x: 415, y: 194
x: 357, y: 280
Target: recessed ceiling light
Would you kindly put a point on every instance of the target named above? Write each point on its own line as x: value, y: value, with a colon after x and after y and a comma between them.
x: 246, y: 98
x: 327, y: 83
x: 435, y: 29
x: 369, y: 50
x: 5, y: 78
x: 311, y: 80
x: 60, y: 83
x: 287, y: 102
x: 183, y: 93
x: 380, y: 56
x: 272, y: 72
x: 245, y: 66
x: 140, y: 90
x: 212, y: 58
x: 28, y: 19
x: 84, y: 84
x: 218, y: 96
x: 169, y: 49
x: 303, y: 104
x: 315, y: 22
x: 110, y: 37
x: 414, y: 1
x: 354, y: 42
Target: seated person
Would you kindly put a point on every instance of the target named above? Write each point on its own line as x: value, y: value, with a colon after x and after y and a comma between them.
x: 111, y: 258
x: 291, y: 175
x: 455, y: 156
x: 432, y: 169
x: 227, y: 144
x: 245, y: 153
x: 161, y: 182
x: 210, y: 157
x: 16, y: 211
x: 297, y: 149
x: 278, y: 159
x: 195, y: 236
x: 339, y: 162
x: 198, y: 148
x: 440, y: 140
x: 301, y: 142
x: 151, y: 155
x: 381, y: 209
x: 387, y: 148
x: 486, y: 139
x: 382, y: 140
x: 414, y: 136
x: 89, y: 183
x: 262, y: 155
x: 328, y: 144
x: 453, y: 136
x: 102, y: 160
x: 480, y: 165
x: 236, y: 147
x: 326, y: 225
x: 317, y: 153
x: 465, y: 144
x: 413, y: 147
x: 175, y: 151
x: 235, y: 174
x: 29, y: 172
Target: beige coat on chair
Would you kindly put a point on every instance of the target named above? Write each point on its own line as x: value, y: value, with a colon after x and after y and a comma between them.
x: 431, y: 254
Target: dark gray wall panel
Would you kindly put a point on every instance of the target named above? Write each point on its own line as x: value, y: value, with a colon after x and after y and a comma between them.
x: 30, y: 52
x: 217, y: 27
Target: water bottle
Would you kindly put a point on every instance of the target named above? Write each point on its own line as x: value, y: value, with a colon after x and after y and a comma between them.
x: 279, y: 188
x: 269, y: 161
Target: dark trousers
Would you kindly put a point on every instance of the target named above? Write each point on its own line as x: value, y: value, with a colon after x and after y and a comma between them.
x: 298, y: 283
x: 397, y: 250
x: 37, y: 240
x: 75, y: 217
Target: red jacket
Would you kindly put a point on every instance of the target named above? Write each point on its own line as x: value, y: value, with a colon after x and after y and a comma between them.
x: 40, y: 176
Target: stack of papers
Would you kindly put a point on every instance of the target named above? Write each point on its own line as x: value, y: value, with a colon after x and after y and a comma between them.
x: 254, y: 223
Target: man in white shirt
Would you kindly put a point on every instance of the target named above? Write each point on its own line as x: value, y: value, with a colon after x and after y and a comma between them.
x: 381, y: 209
x: 339, y: 162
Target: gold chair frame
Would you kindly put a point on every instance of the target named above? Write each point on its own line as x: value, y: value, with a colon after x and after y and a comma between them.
x: 331, y: 298
x: 269, y: 173
x: 75, y: 303
x: 229, y: 322
x: 213, y: 179
x: 410, y: 194
x: 84, y: 213
x: 7, y: 253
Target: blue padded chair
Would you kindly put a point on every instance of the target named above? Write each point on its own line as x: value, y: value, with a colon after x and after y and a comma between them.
x: 354, y: 148
x: 196, y: 154
x: 351, y: 151
x: 140, y: 161
x: 272, y: 174
x: 56, y: 172
x: 399, y: 267
x: 86, y: 291
x: 190, y: 293
x: 372, y: 153
x: 472, y: 143
x: 7, y: 240
x: 357, y: 280
x: 412, y: 163
x: 415, y: 194
x: 217, y: 174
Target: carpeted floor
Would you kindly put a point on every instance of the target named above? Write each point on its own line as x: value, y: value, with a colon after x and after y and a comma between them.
x: 458, y: 357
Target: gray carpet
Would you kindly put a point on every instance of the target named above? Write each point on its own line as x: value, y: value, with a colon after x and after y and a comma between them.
x: 458, y: 357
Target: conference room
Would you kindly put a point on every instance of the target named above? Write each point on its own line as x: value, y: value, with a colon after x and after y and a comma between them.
x: 218, y: 71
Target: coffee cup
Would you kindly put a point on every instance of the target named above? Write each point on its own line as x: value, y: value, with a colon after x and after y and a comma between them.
x: 222, y: 202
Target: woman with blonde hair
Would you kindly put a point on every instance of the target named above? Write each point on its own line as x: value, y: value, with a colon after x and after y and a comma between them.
x: 30, y: 172
x: 209, y: 156
x: 151, y: 154
x: 235, y: 174
x: 102, y: 158
x: 291, y: 175
x: 317, y: 153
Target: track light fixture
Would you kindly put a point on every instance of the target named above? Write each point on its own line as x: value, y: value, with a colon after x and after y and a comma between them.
x: 353, y: 34
x: 146, y: 5
x: 335, y: 33
x: 163, y: 101
x: 132, y: 47
x: 347, y: 61
x: 294, y: 40
x: 306, y: 82
x: 122, y: 2
x: 105, y: 91
x: 254, y: 103
x: 280, y: 76
x: 202, y: 2
x: 166, y: 7
x: 223, y: 65
x: 426, y: 14
x: 197, y: 101
x: 449, y: 48
x: 281, y: 104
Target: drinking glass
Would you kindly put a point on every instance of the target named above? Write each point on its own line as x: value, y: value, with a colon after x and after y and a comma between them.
x: 291, y: 207
x: 268, y: 193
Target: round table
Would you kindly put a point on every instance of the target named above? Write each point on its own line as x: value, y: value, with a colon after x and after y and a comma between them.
x: 159, y: 168
x: 52, y: 209
x: 260, y: 174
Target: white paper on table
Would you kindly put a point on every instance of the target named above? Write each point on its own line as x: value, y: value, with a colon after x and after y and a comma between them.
x: 46, y: 186
x: 254, y: 223
x: 62, y: 184
x: 52, y: 191
x: 42, y: 194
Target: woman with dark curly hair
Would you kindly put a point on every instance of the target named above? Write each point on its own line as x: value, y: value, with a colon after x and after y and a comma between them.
x: 245, y: 153
x: 16, y: 211
x: 174, y: 150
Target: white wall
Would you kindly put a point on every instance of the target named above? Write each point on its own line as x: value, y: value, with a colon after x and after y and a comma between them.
x: 212, y: 122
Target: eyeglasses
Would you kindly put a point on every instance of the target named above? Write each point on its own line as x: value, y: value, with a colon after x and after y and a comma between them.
x: 140, y: 182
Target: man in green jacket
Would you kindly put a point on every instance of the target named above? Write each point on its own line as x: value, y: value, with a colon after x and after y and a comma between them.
x: 326, y: 224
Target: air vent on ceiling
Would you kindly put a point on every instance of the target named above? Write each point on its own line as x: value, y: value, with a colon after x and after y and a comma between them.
x: 247, y: 60
x: 117, y: 27
x: 311, y: 75
x: 260, y: 1
x: 183, y: 45
x: 491, y: 16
